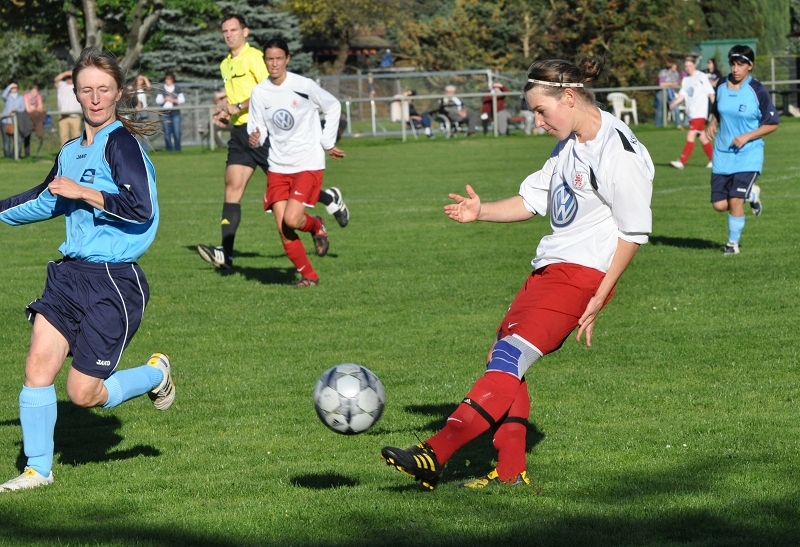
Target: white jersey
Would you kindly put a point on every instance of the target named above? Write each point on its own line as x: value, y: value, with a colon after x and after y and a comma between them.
x: 695, y: 90
x: 289, y: 115
x: 595, y: 193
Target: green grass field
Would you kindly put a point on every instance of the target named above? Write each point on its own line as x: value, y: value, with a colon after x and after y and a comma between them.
x: 678, y: 427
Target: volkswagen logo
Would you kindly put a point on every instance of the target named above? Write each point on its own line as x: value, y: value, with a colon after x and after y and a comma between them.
x: 563, y: 206
x: 283, y: 120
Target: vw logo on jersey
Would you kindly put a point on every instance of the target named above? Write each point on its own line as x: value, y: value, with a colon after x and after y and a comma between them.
x: 563, y: 206
x: 283, y: 119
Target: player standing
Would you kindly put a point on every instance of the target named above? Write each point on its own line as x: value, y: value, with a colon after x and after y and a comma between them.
x: 596, y: 187
x: 241, y: 70
x: 285, y: 108
x: 744, y: 113
x: 696, y: 91
x: 94, y: 298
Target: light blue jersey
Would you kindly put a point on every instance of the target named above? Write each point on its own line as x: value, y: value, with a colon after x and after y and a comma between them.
x: 740, y: 111
x: 115, y: 165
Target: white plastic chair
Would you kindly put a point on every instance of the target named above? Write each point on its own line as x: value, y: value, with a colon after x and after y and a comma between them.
x: 624, y: 107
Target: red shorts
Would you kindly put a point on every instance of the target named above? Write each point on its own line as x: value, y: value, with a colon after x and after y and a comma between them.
x: 547, y: 308
x: 697, y: 124
x: 303, y: 186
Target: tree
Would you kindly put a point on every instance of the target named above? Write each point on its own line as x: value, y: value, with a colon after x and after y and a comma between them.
x: 26, y: 60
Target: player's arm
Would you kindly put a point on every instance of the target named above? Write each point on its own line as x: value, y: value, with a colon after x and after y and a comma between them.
x: 33, y: 205
x: 332, y: 109
x: 135, y: 201
x: 470, y: 208
x: 256, y: 124
x: 769, y: 119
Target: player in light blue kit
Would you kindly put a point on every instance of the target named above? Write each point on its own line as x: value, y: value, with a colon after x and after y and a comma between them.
x: 94, y: 298
x: 744, y: 113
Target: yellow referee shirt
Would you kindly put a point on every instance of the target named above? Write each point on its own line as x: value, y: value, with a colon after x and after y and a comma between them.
x: 241, y: 74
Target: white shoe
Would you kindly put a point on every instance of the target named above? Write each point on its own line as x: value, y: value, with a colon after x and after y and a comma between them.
x: 676, y: 164
x: 338, y: 208
x: 709, y: 165
x: 164, y: 394
x: 30, y: 478
x: 755, y: 204
x: 215, y: 256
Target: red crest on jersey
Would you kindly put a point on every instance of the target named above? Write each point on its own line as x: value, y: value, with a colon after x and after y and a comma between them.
x: 294, y: 104
x: 580, y: 180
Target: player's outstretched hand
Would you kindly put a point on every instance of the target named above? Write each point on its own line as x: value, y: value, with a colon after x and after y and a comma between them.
x: 336, y: 153
x: 464, y: 209
x: 255, y: 138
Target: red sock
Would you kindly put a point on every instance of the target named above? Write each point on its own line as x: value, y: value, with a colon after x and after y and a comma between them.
x: 708, y: 148
x: 687, y: 152
x: 493, y: 392
x: 297, y: 254
x: 509, y: 439
x: 311, y: 224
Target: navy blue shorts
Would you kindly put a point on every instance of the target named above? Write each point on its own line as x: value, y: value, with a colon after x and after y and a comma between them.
x: 241, y: 153
x: 97, y: 307
x: 737, y: 185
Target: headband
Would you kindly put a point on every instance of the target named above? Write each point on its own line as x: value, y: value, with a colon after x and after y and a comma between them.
x: 555, y: 84
x: 733, y: 56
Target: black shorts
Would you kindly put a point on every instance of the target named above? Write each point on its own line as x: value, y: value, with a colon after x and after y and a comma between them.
x: 97, y: 307
x: 241, y: 153
x: 737, y: 185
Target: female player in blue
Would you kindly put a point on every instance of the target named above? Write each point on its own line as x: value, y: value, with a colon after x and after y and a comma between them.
x: 596, y: 188
x: 743, y: 112
x: 94, y: 298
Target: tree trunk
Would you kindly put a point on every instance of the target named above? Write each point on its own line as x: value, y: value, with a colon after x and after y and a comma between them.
x: 339, y: 63
x: 72, y: 30
x: 140, y: 28
x: 92, y: 25
x: 527, y: 33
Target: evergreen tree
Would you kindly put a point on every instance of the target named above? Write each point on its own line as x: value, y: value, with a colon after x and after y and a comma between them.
x: 193, y: 47
x: 777, y: 17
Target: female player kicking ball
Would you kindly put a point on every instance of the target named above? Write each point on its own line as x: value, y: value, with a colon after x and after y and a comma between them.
x: 596, y: 187
x: 95, y: 296
x: 286, y: 107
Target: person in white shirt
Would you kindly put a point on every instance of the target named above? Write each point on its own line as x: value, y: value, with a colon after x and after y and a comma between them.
x: 696, y: 91
x: 596, y: 188
x: 286, y: 107
x: 71, y: 122
x: 170, y: 98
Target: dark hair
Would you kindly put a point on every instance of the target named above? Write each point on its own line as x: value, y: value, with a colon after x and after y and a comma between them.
x: 106, y: 62
x: 692, y: 58
x: 170, y: 74
x: 236, y: 16
x: 561, y: 73
x: 279, y: 43
x: 742, y: 52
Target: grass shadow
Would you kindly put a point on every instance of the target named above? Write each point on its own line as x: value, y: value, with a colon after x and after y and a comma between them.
x: 685, y: 242
x: 322, y: 481
x: 85, y: 436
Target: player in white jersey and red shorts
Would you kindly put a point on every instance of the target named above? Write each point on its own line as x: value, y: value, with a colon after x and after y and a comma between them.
x: 596, y: 187
x: 286, y: 107
x: 696, y: 91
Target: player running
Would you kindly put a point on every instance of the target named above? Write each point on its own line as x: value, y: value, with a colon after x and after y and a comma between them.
x: 744, y: 113
x: 285, y: 108
x: 596, y: 187
x: 696, y: 90
x: 94, y: 298
x: 241, y: 70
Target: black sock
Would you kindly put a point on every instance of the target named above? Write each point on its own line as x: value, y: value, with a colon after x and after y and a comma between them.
x: 325, y: 198
x: 231, y: 216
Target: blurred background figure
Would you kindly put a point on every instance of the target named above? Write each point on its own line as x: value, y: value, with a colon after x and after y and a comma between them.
x: 34, y: 106
x: 170, y: 98
x: 502, y: 114
x: 13, y: 102
x: 69, y: 126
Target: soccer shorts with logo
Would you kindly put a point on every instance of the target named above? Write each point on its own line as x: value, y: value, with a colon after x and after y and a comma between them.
x: 737, y: 185
x: 303, y: 186
x: 550, y: 303
x: 96, y: 306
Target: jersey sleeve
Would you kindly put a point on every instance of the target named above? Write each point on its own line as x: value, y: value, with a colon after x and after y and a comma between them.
x: 332, y: 109
x: 256, y: 117
x: 33, y: 205
x: 134, y: 202
x: 258, y: 67
x: 535, y: 189
x: 628, y: 188
x: 769, y: 114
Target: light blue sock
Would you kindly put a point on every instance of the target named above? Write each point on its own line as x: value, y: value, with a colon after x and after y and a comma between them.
x: 37, y: 414
x: 127, y: 384
x: 735, y: 227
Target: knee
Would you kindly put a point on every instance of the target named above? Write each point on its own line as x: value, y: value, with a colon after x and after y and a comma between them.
x: 720, y: 206
x: 85, y: 397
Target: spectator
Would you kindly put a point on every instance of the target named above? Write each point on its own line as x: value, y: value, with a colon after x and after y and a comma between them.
x: 714, y: 74
x: 670, y: 79
x: 140, y: 89
x: 69, y: 126
x: 14, y: 102
x: 419, y: 120
x: 502, y: 114
x: 169, y: 99
x: 456, y: 112
x: 34, y: 106
x: 525, y: 112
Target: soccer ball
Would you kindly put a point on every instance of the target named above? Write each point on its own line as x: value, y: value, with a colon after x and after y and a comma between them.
x: 349, y: 398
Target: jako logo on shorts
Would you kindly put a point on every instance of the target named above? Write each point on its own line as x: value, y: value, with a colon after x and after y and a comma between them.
x: 283, y: 119
x: 563, y: 206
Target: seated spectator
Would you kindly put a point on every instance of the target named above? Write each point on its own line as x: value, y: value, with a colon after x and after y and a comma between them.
x: 14, y: 102
x: 530, y: 119
x: 419, y: 120
x: 502, y: 114
x: 454, y: 109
